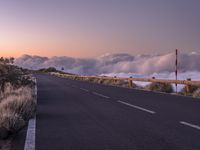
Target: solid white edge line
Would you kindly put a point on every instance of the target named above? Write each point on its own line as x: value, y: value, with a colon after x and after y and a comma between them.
x: 31, y: 131
x: 190, y: 125
x: 137, y: 107
x: 30, y: 136
x: 101, y: 95
x: 84, y: 89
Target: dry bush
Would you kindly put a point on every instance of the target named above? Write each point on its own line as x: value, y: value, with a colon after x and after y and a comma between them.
x: 7, y: 90
x: 98, y: 80
x: 106, y: 81
x: 11, y: 121
x: 124, y: 83
x: 185, y: 92
x: 17, y: 103
x: 16, y: 107
x: 121, y: 83
x: 16, y: 76
x: 160, y: 87
x: 21, y: 104
x: 91, y: 79
x: 196, y: 93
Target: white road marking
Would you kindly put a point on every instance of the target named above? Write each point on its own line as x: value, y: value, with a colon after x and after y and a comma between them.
x: 84, y: 89
x: 30, y: 136
x: 190, y: 125
x: 137, y: 107
x: 31, y: 131
x: 101, y: 95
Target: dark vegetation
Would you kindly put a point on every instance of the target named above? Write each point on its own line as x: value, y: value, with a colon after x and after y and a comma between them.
x: 17, y: 102
x: 196, y: 93
x: 51, y: 69
x: 185, y: 91
x: 160, y: 87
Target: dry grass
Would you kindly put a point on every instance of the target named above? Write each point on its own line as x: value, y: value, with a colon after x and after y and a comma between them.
x: 17, y: 104
x: 16, y: 107
x: 185, y: 92
x: 104, y: 81
x: 160, y: 87
x: 196, y: 93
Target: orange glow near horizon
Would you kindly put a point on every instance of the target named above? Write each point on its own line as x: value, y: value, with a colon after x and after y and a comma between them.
x: 13, y: 53
x: 88, y: 29
x: 49, y: 53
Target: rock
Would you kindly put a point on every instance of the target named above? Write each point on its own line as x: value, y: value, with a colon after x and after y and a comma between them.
x: 3, y: 133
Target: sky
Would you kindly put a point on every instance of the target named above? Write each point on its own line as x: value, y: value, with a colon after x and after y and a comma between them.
x: 90, y: 28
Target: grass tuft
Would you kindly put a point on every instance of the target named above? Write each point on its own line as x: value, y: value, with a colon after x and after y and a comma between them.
x: 16, y: 107
x: 160, y: 87
x: 196, y: 93
x: 185, y: 92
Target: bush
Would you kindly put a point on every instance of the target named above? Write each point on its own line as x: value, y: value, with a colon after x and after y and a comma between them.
x: 185, y: 92
x: 196, y: 93
x: 105, y: 81
x: 46, y: 70
x: 16, y: 107
x: 160, y: 87
x: 11, y: 121
x: 15, y: 76
x: 17, y: 104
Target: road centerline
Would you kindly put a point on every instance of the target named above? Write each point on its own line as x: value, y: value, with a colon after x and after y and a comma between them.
x: 190, y: 125
x: 137, y: 107
x: 84, y: 89
x: 101, y: 95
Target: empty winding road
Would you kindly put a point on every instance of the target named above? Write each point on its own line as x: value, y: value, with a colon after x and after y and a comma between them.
x: 76, y: 115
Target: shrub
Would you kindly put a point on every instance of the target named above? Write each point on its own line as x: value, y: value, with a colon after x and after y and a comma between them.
x: 125, y: 83
x: 17, y: 103
x: 17, y: 77
x: 50, y: 69
x: 16, y: 107
x: 11, y: 121
x: 196, y: 93
x: 185, y: 92
x: 21, y: 102
x: 160, y: 87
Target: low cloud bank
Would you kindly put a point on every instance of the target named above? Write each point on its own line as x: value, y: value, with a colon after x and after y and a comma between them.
x: 161, y: 66
x: 121, y: 65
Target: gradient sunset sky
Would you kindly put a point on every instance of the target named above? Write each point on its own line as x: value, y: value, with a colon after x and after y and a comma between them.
x: 89, y: 28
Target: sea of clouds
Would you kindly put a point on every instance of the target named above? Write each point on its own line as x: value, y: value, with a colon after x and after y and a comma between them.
x: 121, y: 65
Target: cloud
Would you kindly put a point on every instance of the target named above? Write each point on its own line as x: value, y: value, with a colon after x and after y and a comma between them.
x: 116, y: 63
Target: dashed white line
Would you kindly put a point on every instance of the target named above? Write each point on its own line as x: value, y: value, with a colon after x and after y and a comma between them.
x: 84, y: 89
x: 137, y: 107
x: 101, y: 95
x: 190, y: 125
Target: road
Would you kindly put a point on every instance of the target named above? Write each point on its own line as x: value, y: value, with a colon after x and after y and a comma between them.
x: 76, y: 115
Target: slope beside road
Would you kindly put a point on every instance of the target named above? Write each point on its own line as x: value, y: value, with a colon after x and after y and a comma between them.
x: 75, y: 115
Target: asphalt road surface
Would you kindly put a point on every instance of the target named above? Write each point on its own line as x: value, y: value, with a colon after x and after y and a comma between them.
x: 76, y: 115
